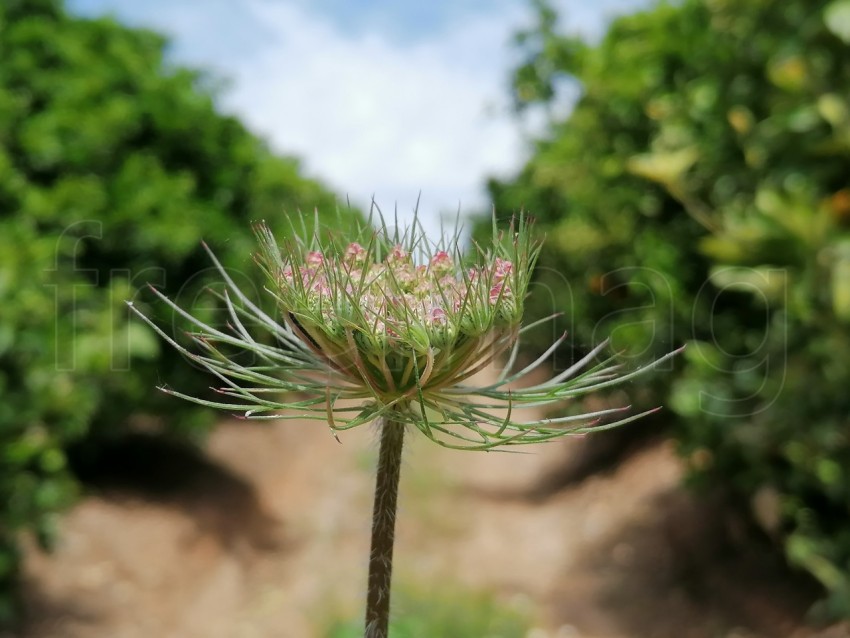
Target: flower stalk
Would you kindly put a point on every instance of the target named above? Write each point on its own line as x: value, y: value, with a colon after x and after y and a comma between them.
x: 383, y: 528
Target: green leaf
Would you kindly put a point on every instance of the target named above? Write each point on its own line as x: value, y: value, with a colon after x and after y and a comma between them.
x: 764, y: 283
x: 837, y: 19
x: 666, y: 168
x: 841, y: 282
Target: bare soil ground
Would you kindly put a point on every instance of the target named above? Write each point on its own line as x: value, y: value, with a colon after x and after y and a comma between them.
x: 266, y: 537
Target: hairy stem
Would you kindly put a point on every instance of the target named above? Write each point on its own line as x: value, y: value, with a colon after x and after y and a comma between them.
x: 383, y: 529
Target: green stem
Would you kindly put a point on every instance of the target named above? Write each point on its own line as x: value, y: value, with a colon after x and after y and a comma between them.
x: 383, y: 529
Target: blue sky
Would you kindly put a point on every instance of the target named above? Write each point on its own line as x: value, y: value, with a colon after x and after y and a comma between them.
x: 383, y: 98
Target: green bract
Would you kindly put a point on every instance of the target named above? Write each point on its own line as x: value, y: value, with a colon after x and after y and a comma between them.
x: 393, y: 324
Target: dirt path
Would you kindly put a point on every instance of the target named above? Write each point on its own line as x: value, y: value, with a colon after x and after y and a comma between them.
x: 269, y: 538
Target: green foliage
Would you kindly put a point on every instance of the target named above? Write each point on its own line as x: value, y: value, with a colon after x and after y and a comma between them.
x: 113, y: 167
x: 446, y: 610
x: 699, y: 192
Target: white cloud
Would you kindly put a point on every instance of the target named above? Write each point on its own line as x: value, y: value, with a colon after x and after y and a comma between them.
x: 368, y: 112
x: 374, y: 117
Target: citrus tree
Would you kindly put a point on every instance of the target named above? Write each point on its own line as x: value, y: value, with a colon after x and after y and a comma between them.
x: 114, y: 165
x: 698, y: 192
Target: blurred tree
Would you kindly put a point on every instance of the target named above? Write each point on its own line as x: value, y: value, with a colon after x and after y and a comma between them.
x: 114, y: 165
x: 699, y: 192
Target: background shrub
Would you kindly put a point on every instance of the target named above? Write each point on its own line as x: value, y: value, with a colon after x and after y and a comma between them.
x: 699, y: 192
x: 114, y: 165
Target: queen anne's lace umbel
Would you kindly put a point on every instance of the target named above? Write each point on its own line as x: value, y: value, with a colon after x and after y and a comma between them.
x: 391, y: 325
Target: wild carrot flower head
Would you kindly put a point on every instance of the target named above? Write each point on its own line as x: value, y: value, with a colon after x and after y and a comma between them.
x: 398, y: 326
